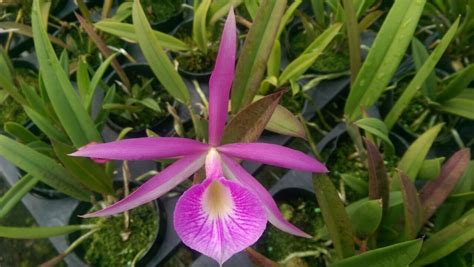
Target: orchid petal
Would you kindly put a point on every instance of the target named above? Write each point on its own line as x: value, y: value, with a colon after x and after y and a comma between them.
x: 157, y: 186
x: 219, y: 218
x: 234, y: 171
x: 275, y: 155
x: 147, y: 148
x: 221, y: 80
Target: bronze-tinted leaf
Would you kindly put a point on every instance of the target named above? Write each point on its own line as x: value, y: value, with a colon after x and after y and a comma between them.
x: 378, y: 178
x: 412, y: 206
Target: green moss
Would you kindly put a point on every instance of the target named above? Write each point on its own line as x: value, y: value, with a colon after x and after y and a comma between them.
x: 108, y: 248
x: 195, y: 60
x: 11, y: 111
x: 331, y: 60
x: 278, y: 245
x: 159, y: 11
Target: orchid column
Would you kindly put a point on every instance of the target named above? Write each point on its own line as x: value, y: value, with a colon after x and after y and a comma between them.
x: 229, y: 210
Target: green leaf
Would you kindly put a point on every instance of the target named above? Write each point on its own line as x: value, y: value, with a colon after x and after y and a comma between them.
x: 82, y: 78
x: 302, y: 63
x: 20, y: 132
x: 247, y: 125
x: 40, y: 232
x: 430, y: 169
x: 16, y: 193
x: 460, y: 106
x: 220, y: 8
x: 353, y: 36
x: 377, y: 128
x: 252, y: 7
x: 412, y: 207
x: 366, y: 219
x: 357, y: 184
x: 41, y: 166
x: 282, y: 121
x: 84, y: 170
x: 415, y: 155
x: 334, y: 215
x: 65, y: 101
x: 379, y: 185
x: 420, y: 77
x: 434, y: 193
x: 157, y: 58
x: 94, y: 83
x: 255, y: 53
x: 126, y: 31
x: 45, y: 125
x: 200, y: 25
x: 27, y: 31
x: 401, y: 254
x: 461, y: 80
x: 449, y: 239
x: 384, y: 56
x: 420, y: 56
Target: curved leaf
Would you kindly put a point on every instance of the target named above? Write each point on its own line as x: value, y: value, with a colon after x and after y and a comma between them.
x: 40, y: 232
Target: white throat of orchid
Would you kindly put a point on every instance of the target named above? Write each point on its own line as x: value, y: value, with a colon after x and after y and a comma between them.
x: 214, y: 164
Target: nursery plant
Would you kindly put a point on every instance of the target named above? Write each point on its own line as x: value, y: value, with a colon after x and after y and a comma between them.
x: 379, y: 198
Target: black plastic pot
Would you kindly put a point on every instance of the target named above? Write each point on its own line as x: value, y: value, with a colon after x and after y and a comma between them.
x: 162, y: 126
x: 169, y: 24
x: 153, y: 247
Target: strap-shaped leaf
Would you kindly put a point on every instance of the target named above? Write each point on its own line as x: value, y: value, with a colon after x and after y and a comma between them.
x: 126, y: 31
x: 156, y: 57
x: 458, y: 84
x: 303, y: 62
x: 16, y: 193
x: 334, y: 215
x: 40, y: 232
x: 20, y: 132
x: 255, y: 53
x: 200, y: 25
x: 412, y: 207
x: 460, y: 106
x: 45, y: 125
x: 401, y: 254
x: 377, y: 128
x: 42, y: 167
x: 65, y: 101
x: 384, y: 56
x: 420, y: 77
x: 413, y: 158
x: 420, y: 55
x: 96, y: 79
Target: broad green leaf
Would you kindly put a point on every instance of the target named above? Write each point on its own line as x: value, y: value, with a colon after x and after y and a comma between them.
x: 255, y: 53
x: 303, y: 62
x: 379, y: 185
x: 252, y: 7
x: 366, y: 219
x: 20, y: 132
x: 84, y: 170
x: 449, y: 239
x: 200, y: 25
x: 82, y: 78
x: 412, y: 207
x: 42, y: 167
x: 377, y: 128
x: 460, y: 106
x: 16, y: 193
x: 334, y: 215
x: 384, y: 56
x: 434, y: 192
x: 157, y: 58
x: 430, y: 169
x: 460, y: 82
x: 282, y: 121
x: 401, y: 254
x: 65, y: 101
x: 40, y: 232
x: 420, y: 77
x: 45, y: 125
x: 420, y: 55
x: 357, y: 184
x: 415, y: 155
x: 126, y: 31
x: 247, y: 125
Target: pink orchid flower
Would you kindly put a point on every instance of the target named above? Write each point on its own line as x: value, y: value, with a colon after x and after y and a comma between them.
x: 229, y: 210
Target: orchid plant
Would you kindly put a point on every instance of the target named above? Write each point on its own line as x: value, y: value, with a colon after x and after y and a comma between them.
x: 228, y: 211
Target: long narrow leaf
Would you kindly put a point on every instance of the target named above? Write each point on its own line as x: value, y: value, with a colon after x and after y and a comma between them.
x: 65, y: 101
x: 41, y: 166
x: 40, y: 232
x: 384, y: 56
x: 16, y: 193
x: 156, y: 57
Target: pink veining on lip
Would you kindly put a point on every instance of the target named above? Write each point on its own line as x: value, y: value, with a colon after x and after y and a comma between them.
x: 228, y: 211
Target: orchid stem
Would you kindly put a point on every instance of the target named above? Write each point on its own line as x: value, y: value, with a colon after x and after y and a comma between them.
x: 126, y: 190
x: 309, y: 138
x: 354, y: 134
